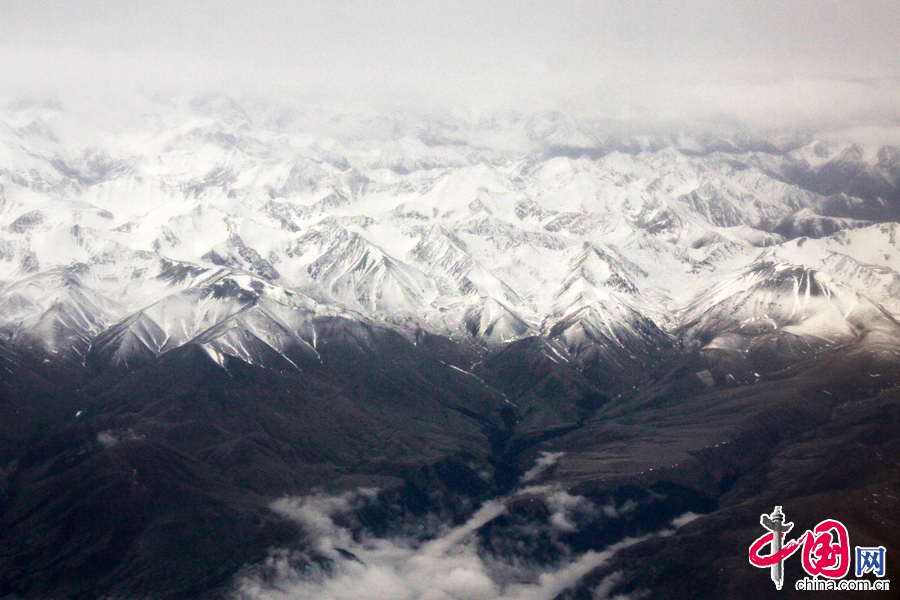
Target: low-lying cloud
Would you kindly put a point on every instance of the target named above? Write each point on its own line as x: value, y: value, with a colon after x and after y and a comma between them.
x: 446, y: 567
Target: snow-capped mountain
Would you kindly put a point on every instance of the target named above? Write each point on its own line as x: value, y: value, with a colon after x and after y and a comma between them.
x: 519, y: 341
x: 420, y: 223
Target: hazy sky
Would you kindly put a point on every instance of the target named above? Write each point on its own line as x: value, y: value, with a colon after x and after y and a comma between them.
x: 635, y: 56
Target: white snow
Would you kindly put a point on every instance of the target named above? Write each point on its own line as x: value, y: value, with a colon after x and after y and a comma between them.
x: 432, y: 223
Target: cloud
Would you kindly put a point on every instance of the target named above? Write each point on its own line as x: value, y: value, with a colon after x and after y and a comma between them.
x: 565, y: 507
x: 682, y: 520
x: 693, y: 39
x: 777, y: 63
x: 544, y: 462
x: 109, y: 438
x: 867, y: 136
x: 614, y: 512
x: 315, y: 513
x: 447, y: 567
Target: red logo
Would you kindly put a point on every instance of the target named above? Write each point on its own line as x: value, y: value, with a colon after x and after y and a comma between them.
x: 826, y: 548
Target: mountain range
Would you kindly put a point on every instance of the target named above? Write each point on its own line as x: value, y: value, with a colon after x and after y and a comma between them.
x: 211, y: 309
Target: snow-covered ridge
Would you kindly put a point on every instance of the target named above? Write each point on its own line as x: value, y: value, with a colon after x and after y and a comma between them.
x: 233, y: 227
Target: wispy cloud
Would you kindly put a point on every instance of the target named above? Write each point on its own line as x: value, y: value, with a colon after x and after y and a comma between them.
x: 450, y: 566
x: 544, y: 462
x: 780, y: 62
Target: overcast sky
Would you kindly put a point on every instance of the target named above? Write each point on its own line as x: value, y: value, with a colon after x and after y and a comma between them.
x: 651, y: 58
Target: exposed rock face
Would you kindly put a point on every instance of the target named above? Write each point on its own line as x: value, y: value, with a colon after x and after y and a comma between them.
x: 232, y: 357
